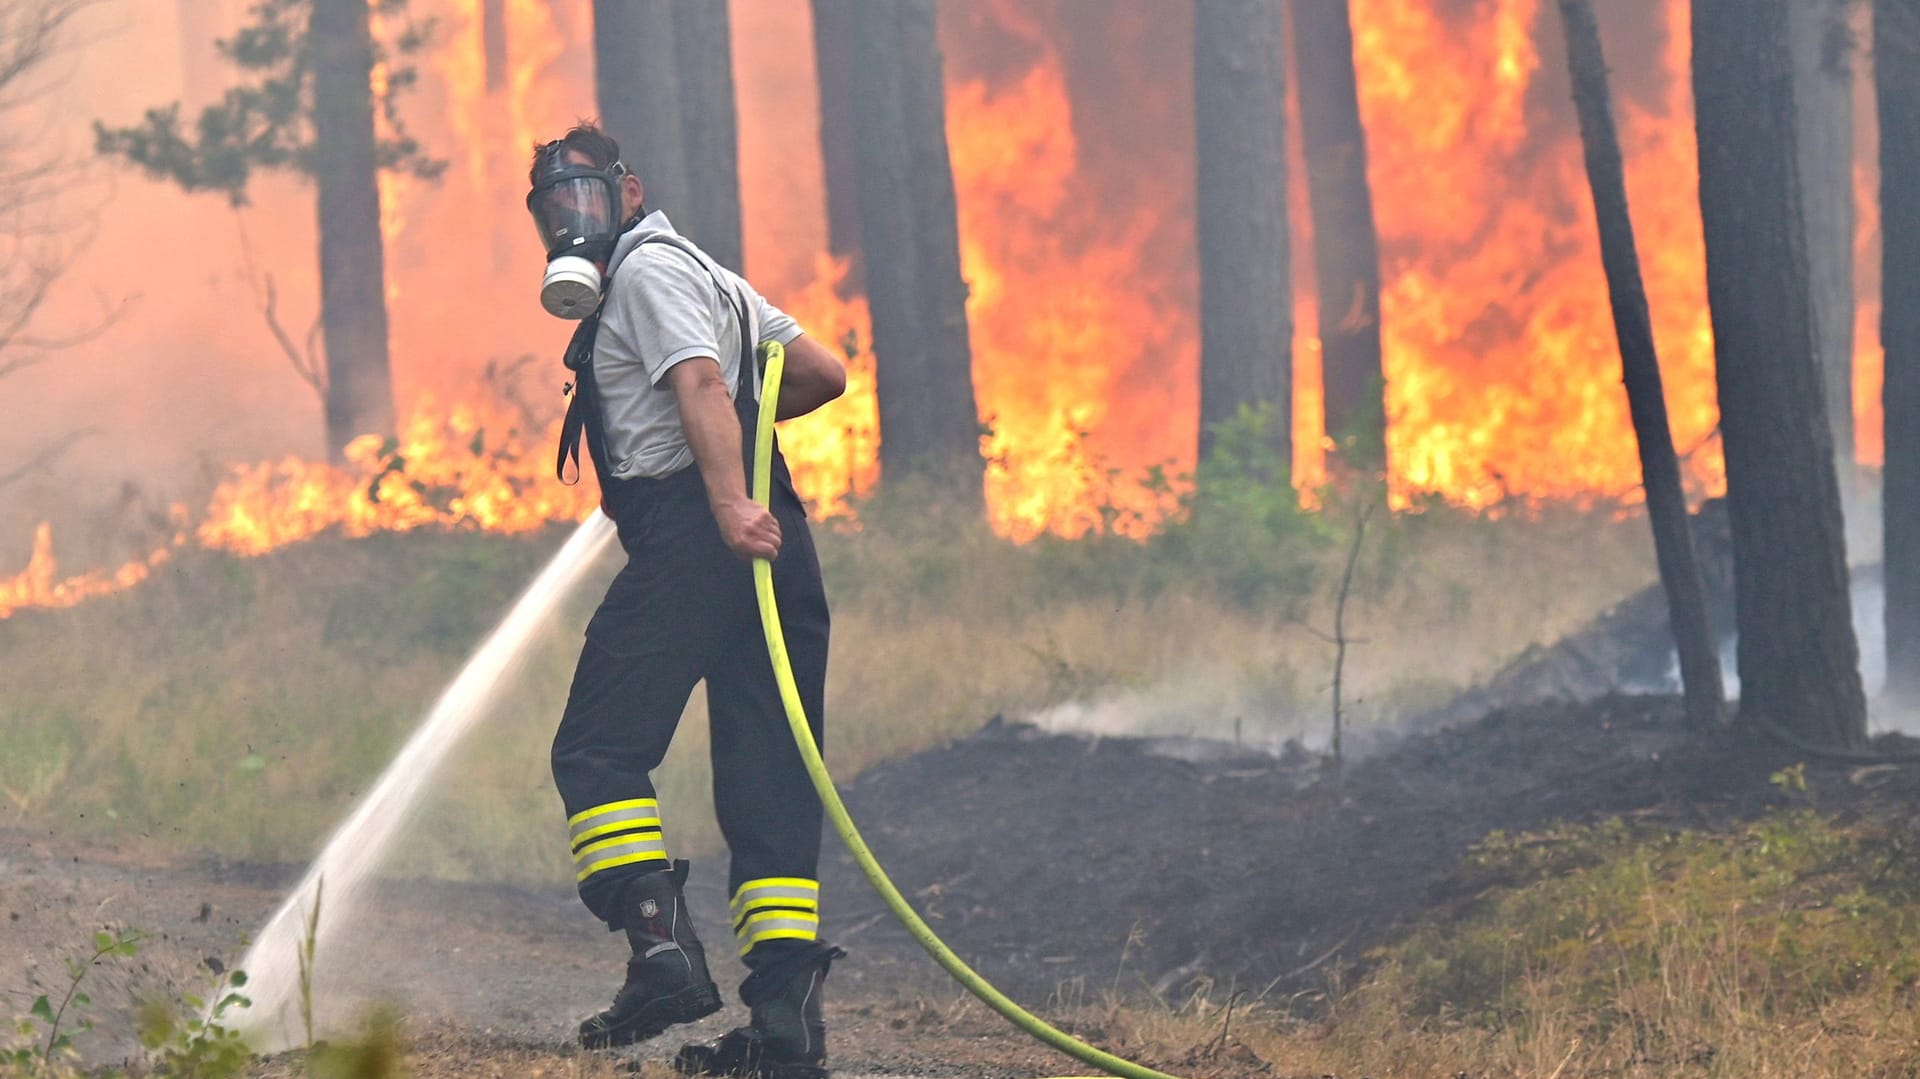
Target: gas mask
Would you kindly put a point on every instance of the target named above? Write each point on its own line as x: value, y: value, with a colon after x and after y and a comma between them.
x: 577, y: 210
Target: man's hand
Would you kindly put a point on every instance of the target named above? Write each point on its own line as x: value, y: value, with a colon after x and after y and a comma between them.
x: 748, y: 529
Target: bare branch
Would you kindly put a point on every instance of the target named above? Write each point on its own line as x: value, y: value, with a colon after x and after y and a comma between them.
x: 46, y: 456
x: 1340, y: 621
x: 306, y: 362
x: 30, y: 32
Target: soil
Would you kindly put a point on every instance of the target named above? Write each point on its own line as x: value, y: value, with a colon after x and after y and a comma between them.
x: 1066, y: 869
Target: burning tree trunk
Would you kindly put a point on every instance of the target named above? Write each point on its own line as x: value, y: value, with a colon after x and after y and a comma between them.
x: 353, y: 302
x: 1346, y: 248
x: 1640, y: 369
x: 833, y: 64
x: 493, y: 39
x: 1823, y: 98
x: 954, y: 420
x: 708, y: 129
x: 1897, y: 84
x: 638, y: 87
x: 928, y: 422
x: 1799, y: 662
x: 1246, y: 304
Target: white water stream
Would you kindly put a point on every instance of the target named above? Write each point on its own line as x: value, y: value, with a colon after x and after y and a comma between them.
x: 340, y: 874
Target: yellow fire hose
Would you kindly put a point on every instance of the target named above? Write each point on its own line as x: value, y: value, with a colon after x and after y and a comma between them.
x: 775, y: 358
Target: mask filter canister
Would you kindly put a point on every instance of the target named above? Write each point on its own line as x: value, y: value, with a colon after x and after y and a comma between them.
x: 571, y: 289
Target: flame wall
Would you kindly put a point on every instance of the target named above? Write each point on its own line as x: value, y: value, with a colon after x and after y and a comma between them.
x: 1072, y: 144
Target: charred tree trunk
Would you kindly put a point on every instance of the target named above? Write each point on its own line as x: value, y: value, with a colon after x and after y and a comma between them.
x: 833, y: 31
x: 928, y: 422
x: 951, y: 415
x: 1823, y: 98
x: 1897, y: 85
x: 709, y: 131
x: 493, y: 38
x: 1640, y: 370
x: 1246, y: 300
x: 638, y: 87
x: 353, y: 301
x: 1346, y: 247
x: 1799, y: 662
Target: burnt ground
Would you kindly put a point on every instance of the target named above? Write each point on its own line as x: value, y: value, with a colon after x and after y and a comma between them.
x: 1064, y: 868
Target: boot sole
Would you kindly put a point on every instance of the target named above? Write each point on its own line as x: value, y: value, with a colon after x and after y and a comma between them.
x: 736, y: 1061
x: 686, y: 1006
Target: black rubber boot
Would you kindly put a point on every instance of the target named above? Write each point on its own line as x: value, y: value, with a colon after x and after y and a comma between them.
x: 667, y: 980
x: 787, y: 1038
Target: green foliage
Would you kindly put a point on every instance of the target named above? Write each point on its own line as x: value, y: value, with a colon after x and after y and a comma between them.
x: 1241, y: 527
x: 267, y: 123
x: 378, y: 1052
x: 192, y: 1042
x: 44, y: 1036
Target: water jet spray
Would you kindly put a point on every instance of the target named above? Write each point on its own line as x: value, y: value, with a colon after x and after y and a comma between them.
x: 346, y: 863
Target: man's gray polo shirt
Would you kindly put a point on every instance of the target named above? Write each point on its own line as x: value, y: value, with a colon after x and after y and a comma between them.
x: 662, y: 310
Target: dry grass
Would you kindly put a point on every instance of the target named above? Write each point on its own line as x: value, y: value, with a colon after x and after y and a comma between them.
x: 171, y: 715
x: 1785, y: 949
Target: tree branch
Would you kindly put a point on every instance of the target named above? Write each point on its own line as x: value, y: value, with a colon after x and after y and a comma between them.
x: 46, y: 456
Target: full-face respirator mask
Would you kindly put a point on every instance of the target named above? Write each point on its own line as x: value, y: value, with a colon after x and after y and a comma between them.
x: 577, y: 210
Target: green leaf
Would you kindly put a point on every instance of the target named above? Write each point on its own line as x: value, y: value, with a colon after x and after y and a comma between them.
x: 237, y: 979
x: 42, y: 1008
x: 81, y: 1000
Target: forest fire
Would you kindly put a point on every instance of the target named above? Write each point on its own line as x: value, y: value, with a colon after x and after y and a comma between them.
x: 1502, y: 378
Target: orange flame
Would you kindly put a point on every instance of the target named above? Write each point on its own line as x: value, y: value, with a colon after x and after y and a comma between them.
x: 39, y: 585
x: 1080, y: 348
x: 468, y: 466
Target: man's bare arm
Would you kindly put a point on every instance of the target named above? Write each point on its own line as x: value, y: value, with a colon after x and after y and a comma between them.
x: 713, y: 431
x: 814, y: 376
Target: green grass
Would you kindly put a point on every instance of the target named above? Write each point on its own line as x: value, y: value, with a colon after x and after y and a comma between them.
x: 238, y: 705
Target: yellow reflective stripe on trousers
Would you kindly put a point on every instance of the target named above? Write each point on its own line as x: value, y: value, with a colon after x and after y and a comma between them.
x: 586, y: 818
x: 796, y: 891
x: 777, y: 925
x: 623, y: 821
x: 618, y: 851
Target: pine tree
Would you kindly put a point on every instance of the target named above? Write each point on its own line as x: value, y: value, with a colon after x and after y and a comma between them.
x: 310, y: 109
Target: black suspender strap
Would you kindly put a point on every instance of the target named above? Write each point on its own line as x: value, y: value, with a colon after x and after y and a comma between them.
x: 583, y: 403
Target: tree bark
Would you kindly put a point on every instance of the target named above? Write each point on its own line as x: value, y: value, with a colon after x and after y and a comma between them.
x: 637, y: 84
x: 952, y: 417
x: 1823, y: 99
x: 1640, y: 370
x: 493, y: 38
x: 928, y: 421
x: 353, y: 302
x: 833, y: 30
x: 1346, y: 246
x: 709, y: 130
x: 1246, y: 302
x: 1897, y: 86
x: 1799, y: 662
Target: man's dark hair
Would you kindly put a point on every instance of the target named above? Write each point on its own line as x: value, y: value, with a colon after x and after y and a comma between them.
x: 585, y: 138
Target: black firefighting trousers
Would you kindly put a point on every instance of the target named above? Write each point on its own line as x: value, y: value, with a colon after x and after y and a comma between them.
x: 683, y: 610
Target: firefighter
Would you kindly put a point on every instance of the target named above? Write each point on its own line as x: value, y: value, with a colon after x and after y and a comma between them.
x: 666, y: 388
